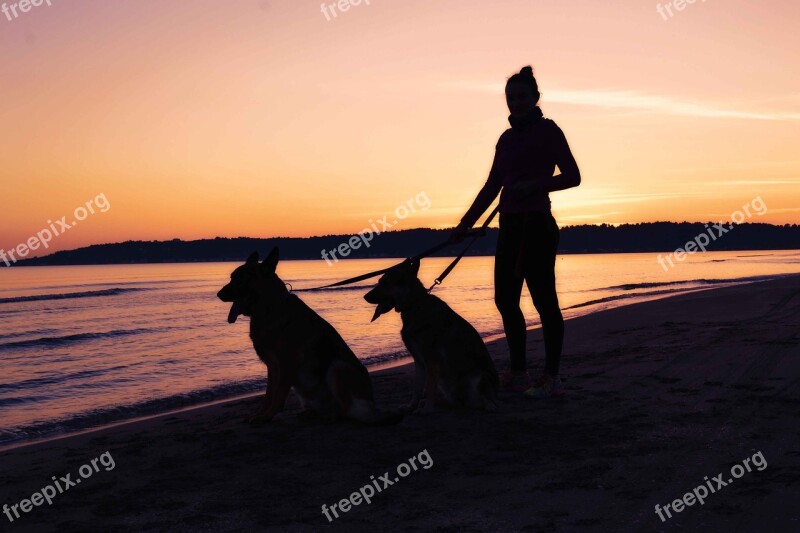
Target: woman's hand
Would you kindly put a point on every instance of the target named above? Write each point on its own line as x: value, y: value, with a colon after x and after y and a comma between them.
x: 458, y: 234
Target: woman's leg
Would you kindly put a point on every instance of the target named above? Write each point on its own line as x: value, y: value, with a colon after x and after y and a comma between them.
x: 541, y: 243
x: 508, y: 277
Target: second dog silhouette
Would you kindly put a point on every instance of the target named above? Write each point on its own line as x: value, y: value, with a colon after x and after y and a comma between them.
x: 447, y: 350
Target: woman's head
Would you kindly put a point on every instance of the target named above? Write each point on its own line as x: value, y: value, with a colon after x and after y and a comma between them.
x: 522, y: 92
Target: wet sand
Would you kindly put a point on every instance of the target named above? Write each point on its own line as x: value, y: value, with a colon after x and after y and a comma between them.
x: 661, y: 395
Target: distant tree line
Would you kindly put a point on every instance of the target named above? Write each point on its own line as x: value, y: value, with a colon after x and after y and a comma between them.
x: 584, y: 239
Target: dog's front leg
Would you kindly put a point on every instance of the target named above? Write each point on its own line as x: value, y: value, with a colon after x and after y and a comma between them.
x: 268, y: 396
x: 419, y: 387
x: 273, y: 378
x: 431, y: 387
x: 278, y: 399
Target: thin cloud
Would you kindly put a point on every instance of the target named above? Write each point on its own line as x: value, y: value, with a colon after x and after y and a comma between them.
x: 758, y: 182
x: 639, y: 101
x: 582, y: 218
x: 785, y: 210
x: 739, y: 167
x: 624, y: 198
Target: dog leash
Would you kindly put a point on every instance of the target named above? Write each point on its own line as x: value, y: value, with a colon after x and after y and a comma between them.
x: 480, y: 232
x: 347, y: 281
x: 374, y: 273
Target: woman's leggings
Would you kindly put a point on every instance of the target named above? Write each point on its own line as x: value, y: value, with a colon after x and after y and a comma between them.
x: 526, y: 249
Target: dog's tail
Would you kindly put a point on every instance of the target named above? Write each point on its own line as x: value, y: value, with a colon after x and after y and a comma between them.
x: 352, y: 389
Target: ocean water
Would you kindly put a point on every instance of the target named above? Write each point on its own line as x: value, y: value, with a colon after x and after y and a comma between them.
x: 85, y: 346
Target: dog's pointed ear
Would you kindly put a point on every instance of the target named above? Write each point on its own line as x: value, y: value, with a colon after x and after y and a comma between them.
x: 253, y: 258
x: 271, y: 261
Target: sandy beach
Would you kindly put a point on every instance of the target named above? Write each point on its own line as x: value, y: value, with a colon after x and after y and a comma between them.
x: 662, y: 395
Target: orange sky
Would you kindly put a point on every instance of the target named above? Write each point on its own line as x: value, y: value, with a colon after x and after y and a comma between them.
x: 261, y: 118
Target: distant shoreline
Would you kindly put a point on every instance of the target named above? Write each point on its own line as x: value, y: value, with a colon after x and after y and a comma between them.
x: 398, y: 258
x: 651, y: 237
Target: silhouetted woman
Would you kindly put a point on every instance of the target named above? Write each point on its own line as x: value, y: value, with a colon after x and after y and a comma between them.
x: 524, y: 163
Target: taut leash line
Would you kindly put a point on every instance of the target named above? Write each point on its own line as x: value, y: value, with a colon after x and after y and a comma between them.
x: 475, y: 234
x: 479, y: 233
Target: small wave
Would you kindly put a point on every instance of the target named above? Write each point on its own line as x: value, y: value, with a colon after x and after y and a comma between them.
x: 619, y: 297
x: 650, y: 285
x: 13, y: 400
x: 49, y: 342
x: 104, y: 416
x: 60, y: 378
x: 68, y: 295
x: 670, y: 291
x: 116, y: 282
x: 384, y: 358
x: 27, y: 333
x: 343, y: 288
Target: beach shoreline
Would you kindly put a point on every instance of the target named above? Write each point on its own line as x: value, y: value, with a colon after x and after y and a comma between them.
x: 662, y: 393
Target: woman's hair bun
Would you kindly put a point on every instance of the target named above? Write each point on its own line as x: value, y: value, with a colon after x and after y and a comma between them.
x: 525, y: 75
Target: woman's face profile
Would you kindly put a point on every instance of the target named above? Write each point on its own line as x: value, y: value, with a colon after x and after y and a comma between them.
x: 520, y: 98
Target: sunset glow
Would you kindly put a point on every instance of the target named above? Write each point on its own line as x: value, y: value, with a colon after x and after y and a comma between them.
x: 263, y: 118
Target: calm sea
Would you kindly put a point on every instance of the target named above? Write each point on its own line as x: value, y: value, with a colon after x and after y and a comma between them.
x: 85, y: 346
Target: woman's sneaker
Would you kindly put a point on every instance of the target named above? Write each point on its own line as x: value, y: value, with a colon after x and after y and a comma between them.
x: 546, y: 386
x: 515, y: 381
